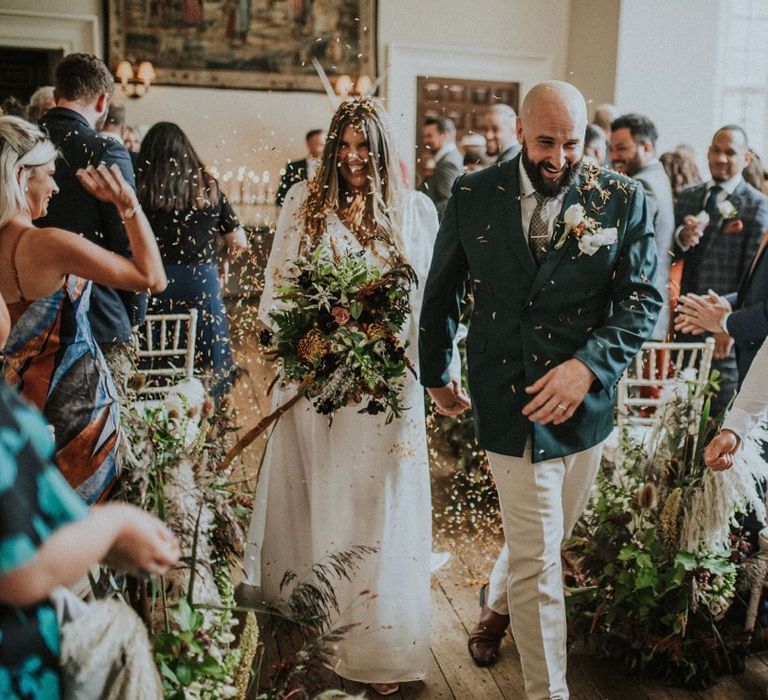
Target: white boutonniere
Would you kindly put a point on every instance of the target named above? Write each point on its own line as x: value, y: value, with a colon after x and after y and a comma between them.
x: 726, y: 209
x: 587, y: 231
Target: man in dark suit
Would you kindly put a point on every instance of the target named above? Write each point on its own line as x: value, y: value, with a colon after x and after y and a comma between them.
x: 439, y: 137
x: 560, y: 259
x: 720, y: 226
x: 633, y: 153
x: 83, y: 89
x: 303, y: 169
x: 501, y: 133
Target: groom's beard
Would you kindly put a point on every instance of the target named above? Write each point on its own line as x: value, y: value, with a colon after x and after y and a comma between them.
x: 540, y: 183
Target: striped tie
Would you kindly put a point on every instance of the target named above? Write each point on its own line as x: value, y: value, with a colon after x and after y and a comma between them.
x: 538, y: 229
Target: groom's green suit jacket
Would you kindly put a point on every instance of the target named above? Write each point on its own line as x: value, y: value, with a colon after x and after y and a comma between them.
x: 526, y: 319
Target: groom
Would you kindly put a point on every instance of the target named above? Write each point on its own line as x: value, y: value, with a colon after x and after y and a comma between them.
x: 559, y: 311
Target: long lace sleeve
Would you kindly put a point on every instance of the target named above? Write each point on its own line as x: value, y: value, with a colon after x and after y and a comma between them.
x: 751, y: 403
x: 285, y: 247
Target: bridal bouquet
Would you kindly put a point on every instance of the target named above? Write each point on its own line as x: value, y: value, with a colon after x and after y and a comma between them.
x: 336, y: 332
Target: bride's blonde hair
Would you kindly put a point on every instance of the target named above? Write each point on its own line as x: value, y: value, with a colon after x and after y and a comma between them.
x: 383, y: 199
x: 21, y: 144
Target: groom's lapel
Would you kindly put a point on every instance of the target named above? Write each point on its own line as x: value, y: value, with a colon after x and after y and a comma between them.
x: 512, y: 219
x: 555, y: 254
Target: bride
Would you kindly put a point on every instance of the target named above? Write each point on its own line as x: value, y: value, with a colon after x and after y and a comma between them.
x: 326, y: 487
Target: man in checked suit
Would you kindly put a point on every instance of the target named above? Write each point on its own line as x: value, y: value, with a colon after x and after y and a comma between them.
x: 561, y: 259
x: 717, y: 253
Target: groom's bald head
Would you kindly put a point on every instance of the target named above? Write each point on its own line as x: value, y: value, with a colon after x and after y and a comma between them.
x: 551, y: 128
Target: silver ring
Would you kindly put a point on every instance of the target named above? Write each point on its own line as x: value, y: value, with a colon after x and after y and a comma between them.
x: 561, y: 407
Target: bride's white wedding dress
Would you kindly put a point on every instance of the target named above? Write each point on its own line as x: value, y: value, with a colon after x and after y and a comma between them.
x: 326, y: 488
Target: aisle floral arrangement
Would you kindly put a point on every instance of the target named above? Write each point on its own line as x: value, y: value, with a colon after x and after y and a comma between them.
x: 661, y: 560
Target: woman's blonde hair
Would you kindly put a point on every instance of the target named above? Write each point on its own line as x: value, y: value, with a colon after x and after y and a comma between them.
x: 21, y: 144
x: 382, y: 203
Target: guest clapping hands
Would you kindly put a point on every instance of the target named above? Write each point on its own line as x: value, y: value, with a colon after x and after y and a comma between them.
x: 698, y: 314
x: 748, y: 408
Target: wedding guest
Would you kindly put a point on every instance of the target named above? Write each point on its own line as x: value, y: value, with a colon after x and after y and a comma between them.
x: 329, y: 486
x: 439, y: 137
x: 717, y: 249
x: 114, y: 128
x: 681, y: 169
x: 13, y: 107
x: 754, y: 173
x: 633, y: 153
x: 84, y: 86
x: 190, y: 216
x: 748, y: 408
x: 473, y: 161
x: 473, y: 143
x: 595, y: 145
x: 45, y: 276
x: 500, y: 133
x: 604, y: 115
x: 41, y: 101
x: 304, y: 169
x: 132, y: 139
x: 550, y: 335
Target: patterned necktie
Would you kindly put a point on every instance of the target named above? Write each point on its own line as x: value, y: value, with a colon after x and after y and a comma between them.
x: 538, y: 229
x: 711, y: 207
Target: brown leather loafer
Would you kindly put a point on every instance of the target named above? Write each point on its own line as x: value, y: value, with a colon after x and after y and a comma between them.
x: 485, y: 638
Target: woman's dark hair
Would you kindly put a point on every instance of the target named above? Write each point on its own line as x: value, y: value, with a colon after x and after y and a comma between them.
x: 170, y: 175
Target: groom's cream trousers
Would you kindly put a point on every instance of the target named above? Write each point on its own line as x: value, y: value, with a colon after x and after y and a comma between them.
x: 540, y: 504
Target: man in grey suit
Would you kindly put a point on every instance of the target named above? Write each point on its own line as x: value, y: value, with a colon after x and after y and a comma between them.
x: 501, y: 133
x: 439, y: 136
x: 633, y: 153
x: 717, y: 249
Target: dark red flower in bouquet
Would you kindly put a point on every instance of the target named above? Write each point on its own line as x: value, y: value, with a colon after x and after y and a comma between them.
x: 340, y: 315
x: 733, y: 226
x: 265, y: 338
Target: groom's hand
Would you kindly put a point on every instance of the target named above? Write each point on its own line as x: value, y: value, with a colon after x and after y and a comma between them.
x: 451, y: 399
x: 558, y: 393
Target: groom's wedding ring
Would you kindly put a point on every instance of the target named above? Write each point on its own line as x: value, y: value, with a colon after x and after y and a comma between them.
x: 561, y: 407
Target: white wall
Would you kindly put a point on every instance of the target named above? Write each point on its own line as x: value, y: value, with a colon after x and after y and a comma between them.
x: 593, y: 32
x: 667, y: 67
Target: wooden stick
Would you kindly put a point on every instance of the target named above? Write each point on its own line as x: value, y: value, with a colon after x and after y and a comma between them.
x: 264, y: 423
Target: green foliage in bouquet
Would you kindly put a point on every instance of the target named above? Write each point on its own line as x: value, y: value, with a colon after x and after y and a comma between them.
x: 336, y: 332
x: 644, y: 589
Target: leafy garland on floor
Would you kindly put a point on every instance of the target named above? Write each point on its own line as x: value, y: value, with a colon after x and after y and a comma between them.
x: 190, y: 611
x: 661, y: 562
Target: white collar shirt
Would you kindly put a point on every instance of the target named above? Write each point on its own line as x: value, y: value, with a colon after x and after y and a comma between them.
x: 549, y: 211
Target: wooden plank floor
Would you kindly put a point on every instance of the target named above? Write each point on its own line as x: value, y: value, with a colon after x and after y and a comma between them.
x: 453, y: 676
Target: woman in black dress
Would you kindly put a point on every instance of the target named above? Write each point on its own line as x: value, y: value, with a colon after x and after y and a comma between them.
x: 189, y: 213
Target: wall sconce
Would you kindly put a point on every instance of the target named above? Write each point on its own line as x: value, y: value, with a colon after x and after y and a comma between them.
x: 136, y: 83
x: 344, y: 86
